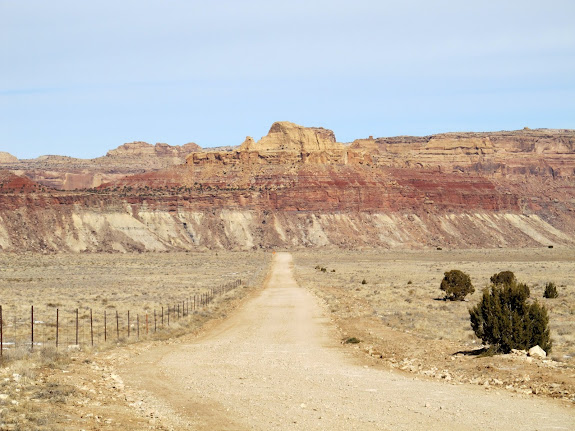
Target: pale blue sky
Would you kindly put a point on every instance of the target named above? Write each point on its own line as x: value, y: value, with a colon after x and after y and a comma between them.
x: 79, y: 78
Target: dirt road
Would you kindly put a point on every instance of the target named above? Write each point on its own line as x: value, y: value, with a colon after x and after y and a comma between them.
x: 277, y: 364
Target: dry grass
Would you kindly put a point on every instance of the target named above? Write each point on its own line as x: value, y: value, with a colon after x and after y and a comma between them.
x: 31, y: 395
x: 101, y: 285
x: 402, y: 288
x: 25, y: 397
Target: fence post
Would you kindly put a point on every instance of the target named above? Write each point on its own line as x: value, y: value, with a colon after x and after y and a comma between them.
x: 105, y: 328
x: 168, y: 315
x: 162, y: 316
x: 154, y: 320
x: 57, y: 326
x: 146, y: 323
x: 32, y: 331
x: 76, y: 326
x: 117, y: 326
x: 138, y: 325
x: 91, y: 328
x: 128, y: 323
x: 1, y: 333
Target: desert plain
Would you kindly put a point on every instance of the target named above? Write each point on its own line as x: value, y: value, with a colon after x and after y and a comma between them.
x: 334, y: 253
x: 389, y: 300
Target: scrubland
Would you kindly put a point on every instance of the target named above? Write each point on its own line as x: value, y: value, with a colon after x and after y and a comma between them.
x: 398, y: 314
x: 391, y: 301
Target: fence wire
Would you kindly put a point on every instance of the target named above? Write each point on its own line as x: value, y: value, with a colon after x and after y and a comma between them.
x: 41, y: 327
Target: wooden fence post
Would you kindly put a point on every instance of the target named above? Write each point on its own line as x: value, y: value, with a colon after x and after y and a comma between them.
x: 128, y: 323
x: 1, y: 333
x: 105, y: 328
x: 117, y: 326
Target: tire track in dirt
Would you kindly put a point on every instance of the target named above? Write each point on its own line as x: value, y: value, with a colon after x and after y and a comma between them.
x: 277, y: 364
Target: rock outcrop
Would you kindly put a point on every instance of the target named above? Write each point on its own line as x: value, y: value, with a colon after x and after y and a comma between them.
x: 541, y: 152
x: 142, y: 150
x: 286, y: 143
x: 299, y: 187
x: 68, y: 173
x: 7, y: 157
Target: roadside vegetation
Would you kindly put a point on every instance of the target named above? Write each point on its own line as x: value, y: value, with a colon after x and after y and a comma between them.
x: 402, y: 317
x: 37, y: 389
x: 504, y: 319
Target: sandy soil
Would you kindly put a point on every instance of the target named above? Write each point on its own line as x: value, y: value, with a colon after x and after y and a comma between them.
x: 400, y: 318
x: 278, y: 363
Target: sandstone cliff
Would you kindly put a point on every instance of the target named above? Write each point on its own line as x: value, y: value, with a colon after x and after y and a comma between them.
x: 7, y: 157
x: 541, y: 152
x: 299, y: 187
x: 284, y: 144
x: 68, y: 173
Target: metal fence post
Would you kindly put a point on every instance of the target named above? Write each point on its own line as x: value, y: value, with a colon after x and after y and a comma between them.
x: 32, y: 328
x: 57, y: 326
x: 76, y: 326
x: 91, y: 328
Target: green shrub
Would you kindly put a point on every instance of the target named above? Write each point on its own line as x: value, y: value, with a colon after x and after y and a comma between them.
x: 352, y: 340
x: 457, y: 285
x: 503, y: 278
x: 364, y: 281
x: 504, y: 320
x: 507, y: 278
x: 523, y: 287
x: 550, y: 290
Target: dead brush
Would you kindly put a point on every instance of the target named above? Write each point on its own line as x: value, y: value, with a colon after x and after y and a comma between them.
x: 54, y: 393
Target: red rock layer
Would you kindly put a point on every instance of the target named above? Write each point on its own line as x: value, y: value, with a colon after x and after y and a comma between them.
x: 297, y: 187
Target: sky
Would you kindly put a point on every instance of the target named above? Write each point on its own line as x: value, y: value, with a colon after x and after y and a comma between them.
x: 80, y: 78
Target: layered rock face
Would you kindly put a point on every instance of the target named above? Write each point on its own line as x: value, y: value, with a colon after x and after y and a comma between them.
x: 299, y: 187
x: 7, y: 157
x: 541, y: 152
x: 68, y: 173
x: 285, y: 143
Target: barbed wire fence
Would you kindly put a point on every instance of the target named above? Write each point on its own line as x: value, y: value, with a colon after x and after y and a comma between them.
x: 41, y: 327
